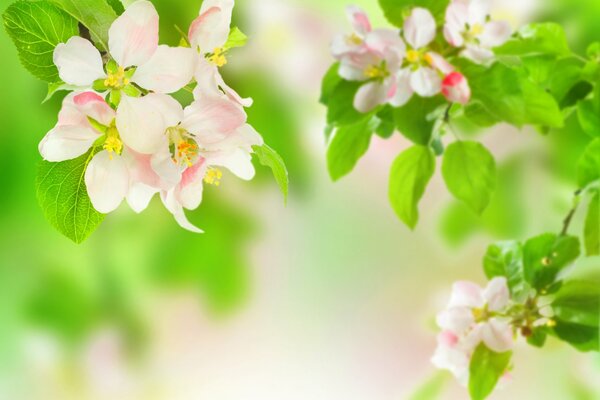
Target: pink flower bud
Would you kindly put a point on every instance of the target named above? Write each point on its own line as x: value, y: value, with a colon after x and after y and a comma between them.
x: 456, y: 88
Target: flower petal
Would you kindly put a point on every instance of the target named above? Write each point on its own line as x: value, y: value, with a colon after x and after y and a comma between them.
x: 79, y: 63
x: 94, y: 106
x: 191, y: 188
x: 478, y: 54
x: 133, y: 37
x: 497, y: 335
x: 419, y: 28
x: 388, y: 44
x: 426, y: 82
x: 107, y: 181
x: 139, y: 196
x: 495, y: 33
x: 67, y: 142
x: 238, y: 161
x: 359, y: 19
x: 211, y: 29
x: 211, y: 83
x: 211, y: 118
x: 455, y: 88
x: 456, y: 23
x: 369, y: 96
x: 167, y: 71
x: 479, y: 10
x: 404, y: 91
x: 171, y: 204
x: 496, y: 294
x: 466, y: 294
x: 168, y: 172
x: 455, y: 319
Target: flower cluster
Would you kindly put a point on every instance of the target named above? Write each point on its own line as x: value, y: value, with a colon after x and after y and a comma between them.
x: 142, y: 140
x: 397, y: 64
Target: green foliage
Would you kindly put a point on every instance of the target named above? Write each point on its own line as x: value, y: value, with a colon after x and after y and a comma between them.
x: 386, y: 126
x: 412, y: 119
x: 396, y: 10
x: 469, y: 171
x: 545, y: 256
x: 341, y: 109
x: 56, y: 87
x: 591, y: 231
x: 117, y: 6
x: 36, y: 28
x: 236, y: 38
x: 95, y: 15
x: 588, y: 167
x: 486, y: 368
x: 432, y: 388
x: 588, y: 112
x: 535, y: 39
x: 505, y: 259
x: 409, y: 176
x: 269, y: 158
x: 348, y: 145
x: 329, y: 83
x: 63, y: 197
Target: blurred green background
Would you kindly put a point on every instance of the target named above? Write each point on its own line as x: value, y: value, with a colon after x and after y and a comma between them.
x: 327, y: 298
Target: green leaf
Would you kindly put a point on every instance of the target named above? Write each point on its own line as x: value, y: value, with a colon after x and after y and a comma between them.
x: 63, y: 197
x: 410, y: 174
x: 329, y: 83
x: 582, y: 337
x: 387, y: 125
x: 479, y: 115
x: 589, y: 117
x: 432, y: 388
x: 505, y: 259
x: 36, y: 28
x: 591, y: 231
x: 545, y: 256
x: 588, y: 166
x: 236, y: 38
x: 55, y: 87
x: 412, y: 119
x: 578, y: 302
x: 116, y: 5
x: 535, y: 39
x: 95, y: 15
x: 348, y: 145
x: 486, y: 368
x: 469, y: 171
x: 396, y: 10
x: 269, y: 158
x: 341, y: 109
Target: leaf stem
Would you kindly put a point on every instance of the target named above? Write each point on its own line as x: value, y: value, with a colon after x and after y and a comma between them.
x: 569, y: 218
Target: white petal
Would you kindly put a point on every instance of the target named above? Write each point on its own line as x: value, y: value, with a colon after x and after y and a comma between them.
x: 67, y: 142
x: 191, y: 188
x: 426, y: 82
x: 359, y: 19
x: 495, y: 33
x: 133, y: 37
x: 478, y: 54
x: 176, y: 209
x: 369, y: 96
x: 239, y: 162
x: 404, y: 91
x: 142, y: 124
x: 107, y: 181
x: 496, y: 294
x: 170, y: 109
x: 168, y: 172
x: 79, y: 63
x: 211, y: 29
x: 169, y: 69
x: 497, y: 335
x: 438, y: 62
x: 455, y: 319
x: 211, y: 83
x: 211, y: 118
x: 479, y: 10
x: 351, y: 72
x: 466, y: 294
x: 387, y: 43
x: 456, y: 23
x: 419, y: 28
x: 92, y: 105
x: 139, y: 196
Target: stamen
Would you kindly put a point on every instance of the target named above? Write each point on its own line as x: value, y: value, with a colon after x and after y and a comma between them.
x: 354, y: 39
x: 218, y: 57
x: 374, y: 71
x: 116, y: 80
x: 413, y: 56
x: 213, y: 176
x: 113, y: 145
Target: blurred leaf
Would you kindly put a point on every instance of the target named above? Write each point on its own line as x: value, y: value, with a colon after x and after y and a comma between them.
x: 329, y: 83
x: 386, y: 127
x: 96, y: 15
x: 348, y: 145
x: 236, y: 38
x: 341, y: 109
x: 591, y: 231
x: 546, y: 255
x: 479, y: 115
x: 582, y: 337
x: 588, y: 167
x: 63, y: 197
x: 412, y: 118
x: 578, y: 302
x: 269, y: 158
x: 589, y: 117
x: 469, y: 171
x: 395, y: 10
x: 117, y: 6
x: 485, y: 370
x: 409, y: 176
x: 535, y: 39
x: 36, y: 28
x: 432, y: 388
x: 505, y: 259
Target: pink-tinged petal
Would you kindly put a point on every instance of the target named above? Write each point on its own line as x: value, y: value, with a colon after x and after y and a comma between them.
x: 369, y: 96
x: 171, y: 204
x: 211, y: 29
x: 479, y: 10
x: 211, y: 118
x: 340, y: 45
x: 456, y: 319
x: 478, y: 54
x: 191, y: 188
x: 67, y: 142
x: 351, y: 72
x: 94, y: 106
x: 238, y: 161
x: 133, y: 37
x: 169, y: 108
x: 139, y: 196
x: 387, y: 44
x: 455, y: 88
x: 107, y: 181
x: 141, y: 122
x: 79, y: 63
x: 497, y: 335
x: 359, y: 20
x: 167, y: 71
x: 404, y: 91
x: 439, y: 63
x: 419, y: 28
x: 426, y: 82
x: 496, y: 294
x: 70, y: 113
x: 456, y: 23
x: 211, y: 84
x: 495, y: 33
x: 466, y: 294
x: 168, y: 171
x: 453, y: 360
x: 447, y: 339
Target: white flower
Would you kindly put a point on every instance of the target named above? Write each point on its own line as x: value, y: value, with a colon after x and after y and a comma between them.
x: 133, y: 45
x: 468, y: 26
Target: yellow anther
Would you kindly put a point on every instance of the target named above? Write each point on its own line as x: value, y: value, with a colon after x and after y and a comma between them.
x: 354, y: 39
x: 479, y: 314
x: 428, y: 59
x: 213, y: 176
x: 551, y: 323
x: 476, y: 30
x: 186, y: 151
x: 218, y: 57
x: 116, y: 80
x: 374, y: 71
x: 413, y: 56
x: 113, y: 144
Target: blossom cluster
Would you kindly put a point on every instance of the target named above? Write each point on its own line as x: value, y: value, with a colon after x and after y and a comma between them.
x: 398, y: 64
x: 142, y: 140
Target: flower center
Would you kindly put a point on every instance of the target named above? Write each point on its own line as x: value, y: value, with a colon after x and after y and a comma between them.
x: 354, y: 39
x: 213, y: 176
x: 480, y: 314
x: 413, y: 56
x: 376, y: 71
x: 117, y: 79
x: 113, y: 143
x: 218, y: 57
x: 476, y: 30
x: 184, y: 149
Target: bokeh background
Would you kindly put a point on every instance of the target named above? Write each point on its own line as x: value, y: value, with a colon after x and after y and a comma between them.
x: 330, y: 297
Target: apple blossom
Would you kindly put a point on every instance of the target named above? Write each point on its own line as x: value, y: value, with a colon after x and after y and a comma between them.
x: 138, y: 58
x: 468, y: 26
x: 456, y: 88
